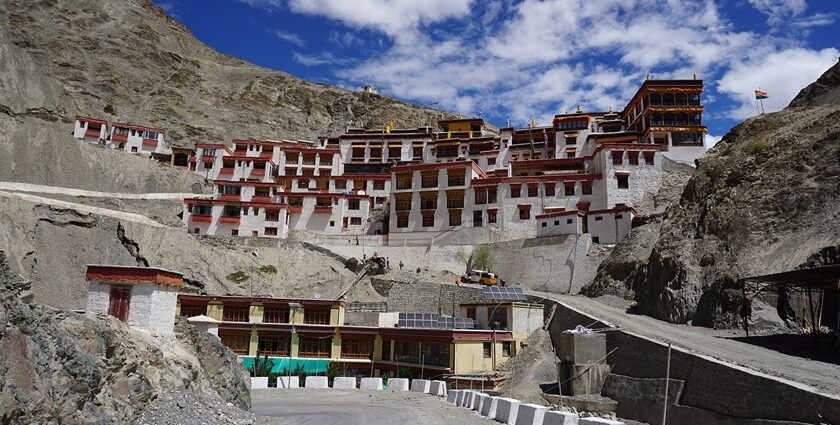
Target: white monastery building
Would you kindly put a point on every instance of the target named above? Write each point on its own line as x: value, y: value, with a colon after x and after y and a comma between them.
x: 144, y: 297
x: 458, y: 182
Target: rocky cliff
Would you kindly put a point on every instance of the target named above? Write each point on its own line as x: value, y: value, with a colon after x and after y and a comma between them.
x: 63, y: 367
x: 127, y: 61
x: 766, y: 199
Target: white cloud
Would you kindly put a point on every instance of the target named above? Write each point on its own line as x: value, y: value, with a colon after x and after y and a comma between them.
x: 316, y: 59
x: 710, y: 141
x: 396, y: 18
x: 783, y: 74
x: 778, y: 11
x: 266, y: 4
x: 290, y: 38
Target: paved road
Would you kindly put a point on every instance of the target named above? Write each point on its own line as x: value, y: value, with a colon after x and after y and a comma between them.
x: 814, y: 375
x: 327, y: 406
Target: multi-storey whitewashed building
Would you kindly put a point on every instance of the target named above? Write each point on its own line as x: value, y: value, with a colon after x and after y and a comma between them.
x: 580, y: 175
x: 146, y: 141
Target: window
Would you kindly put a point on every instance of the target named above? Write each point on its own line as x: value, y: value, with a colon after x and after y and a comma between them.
x: 506, y: 345
x: 430, y: 180
x: 303, y: 184
x: 238, y: 343
x: 480, y: 196
x: 617, y: 157
x: 404, y: 181
x: 394, y: 153
x: 428, y: 220
x: 599, y: 218
x: 276, y: 313
x: 193, y: 309
x: 436, y: 354
x: 649, y: 157
x: 455, y: 179
x: 428, y: 202
x: 524, y: 213
x: 353, y: 204
x: 359, y: 185
x: 569, y: 221
x: 586, y: 188
x: 499, y: 316
x: 596, y: 239
x: 417, y: 152
x: 633, y: 158
x: 491, y: 216
x: 270, y: 231
x: 487, y: 348
x: 402, y: 221
x: 491, y: 161
x: 544, y: 224
x: 272, y: 216
x: 619, y: 216
x: 569, y: 189
x: 549, y: 189
x: 491, y: 195
x: 455, y: 201
x: 235, y: 312
x: 455, y: 219
x: 379, y: 185
x: 514, y: 191
x: 316, y: 315
x: 255, y: 233
x: 232, y: 211
x: 234, y: 232
x: 407, y: 351
x: 556, y: 222
x: 202, y: 209
x: 332, y: 223
x: 386, y: 349
x: 196, y: 231
x: 471, y: 313
x: 532, y: 190
x: 315, y: 347
x: 623, y: 181
x: 273, y: 345
x: 356, y: 348
x: 402, y: 204
x: 355, y: 221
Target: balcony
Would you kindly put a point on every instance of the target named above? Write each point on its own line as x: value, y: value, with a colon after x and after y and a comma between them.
x: 261, y: 199
x: 201, y: 218
x: 322, y: 209
x: 92, y: 133
x: 258, y: 172
x: 119, y: 138
x: 230, y: 219
x: 150, y: 142
x: 226, y: 170
x: 230, y: 197
x: 266, y: 155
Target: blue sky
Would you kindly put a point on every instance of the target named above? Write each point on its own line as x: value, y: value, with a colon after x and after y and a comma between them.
x: 517, y: 60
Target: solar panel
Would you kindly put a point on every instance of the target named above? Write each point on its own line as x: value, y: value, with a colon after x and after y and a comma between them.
x: 498, y: 293
x: 433, y: 320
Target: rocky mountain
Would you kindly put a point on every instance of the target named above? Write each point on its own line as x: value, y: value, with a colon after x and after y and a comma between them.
x: 127, y: 61
x: 63, y: 367
x: 766, y: 199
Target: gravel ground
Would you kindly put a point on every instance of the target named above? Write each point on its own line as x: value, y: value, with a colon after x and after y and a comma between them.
x: 183, y: 408
x: 293, y: 407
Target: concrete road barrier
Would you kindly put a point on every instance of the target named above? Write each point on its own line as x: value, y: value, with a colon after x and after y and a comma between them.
x: 397, y: 384
x: 452, y: 396
x: 530, y: 414
x: 560, y: 418
x: 371, y: 384
x: 437, y: 388
x: 506, y: 410
x: 344, y: 383
x: 598, y: 421
x: 474, y: 401
x: 420, y: 385
x: 488, y: 408
x: 316, y: 382
x: 461, y: 395
x: 466, y: 399
x: 288, y: 382
x: 482, y: 398
x: 259, y: 382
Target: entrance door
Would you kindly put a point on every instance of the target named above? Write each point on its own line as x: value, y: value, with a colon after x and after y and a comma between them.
x: 478, y: 217
x: 120, y: 297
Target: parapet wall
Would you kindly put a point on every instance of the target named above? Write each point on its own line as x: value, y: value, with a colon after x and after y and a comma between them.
x: 426, y: 297
x: 703, y: 390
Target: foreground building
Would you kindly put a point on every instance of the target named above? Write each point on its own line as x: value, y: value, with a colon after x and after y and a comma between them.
x: 312, y: 333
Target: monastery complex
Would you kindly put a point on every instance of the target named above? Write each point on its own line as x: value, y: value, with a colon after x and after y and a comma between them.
x: 458, y: 181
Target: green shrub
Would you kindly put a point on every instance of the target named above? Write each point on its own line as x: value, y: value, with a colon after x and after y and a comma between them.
x: 238, y: 277
x: 109, y: 109
x: 268, y: 269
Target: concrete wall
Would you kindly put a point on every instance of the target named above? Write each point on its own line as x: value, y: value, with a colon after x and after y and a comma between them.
x: 99, y: 298
x: 431, y: 257
x: 153, y: 307
x: 702, y: 390
x: 426, y: 297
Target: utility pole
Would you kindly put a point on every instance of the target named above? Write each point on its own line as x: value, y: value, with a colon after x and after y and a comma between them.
x: 667, y: 380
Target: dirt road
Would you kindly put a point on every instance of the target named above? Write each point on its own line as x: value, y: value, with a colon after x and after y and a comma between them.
x: 356, y: 407
x: 819, y: 376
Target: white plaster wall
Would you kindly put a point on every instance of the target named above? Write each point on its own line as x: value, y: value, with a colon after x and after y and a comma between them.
x: 153, y: 307
x: 684, y: 154
x: 99, y: 298
x: 560, y: 225
x: 643, y: 178
x: 610, y: 230
x: 525, y: 321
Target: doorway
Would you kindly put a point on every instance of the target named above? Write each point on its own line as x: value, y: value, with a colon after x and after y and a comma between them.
x: 120, y: 299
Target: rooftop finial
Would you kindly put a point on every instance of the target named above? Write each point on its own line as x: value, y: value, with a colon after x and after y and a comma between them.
x: 647, y: 77
x: 694, y: 76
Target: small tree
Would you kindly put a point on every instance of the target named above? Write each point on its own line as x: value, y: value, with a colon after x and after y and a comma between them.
x: 482, y: 258
x: 334, y: 370
x: 462, y: 257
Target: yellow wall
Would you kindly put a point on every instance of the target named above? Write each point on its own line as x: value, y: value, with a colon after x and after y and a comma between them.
x: 469, y: 357
x: 255, y: 313
x: 215, y: 309
x: 254, y: 344
x: 296, y: 316
x: 335, y: 352
x: 458, y: 126
x: 337, y: 316
x: 295, y: 345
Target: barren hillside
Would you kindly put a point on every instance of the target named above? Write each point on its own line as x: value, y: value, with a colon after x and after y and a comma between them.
x: 127, y: 61
x: 766, y: 199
